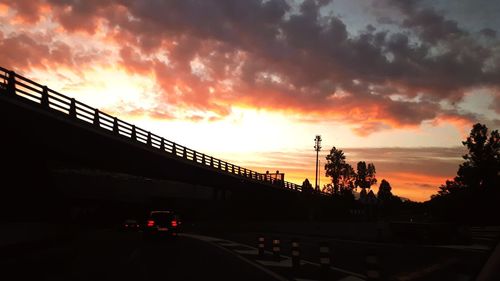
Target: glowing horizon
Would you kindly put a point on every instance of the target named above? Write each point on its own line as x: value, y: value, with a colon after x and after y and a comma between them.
x: 374, y: 79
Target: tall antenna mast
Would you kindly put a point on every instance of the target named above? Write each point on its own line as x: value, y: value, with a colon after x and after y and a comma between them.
x: 317, y: 147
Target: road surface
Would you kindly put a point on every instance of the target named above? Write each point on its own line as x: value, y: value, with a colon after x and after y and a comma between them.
x: 118, y: 255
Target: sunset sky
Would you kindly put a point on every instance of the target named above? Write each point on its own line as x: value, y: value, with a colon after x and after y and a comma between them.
x: 396, y: 83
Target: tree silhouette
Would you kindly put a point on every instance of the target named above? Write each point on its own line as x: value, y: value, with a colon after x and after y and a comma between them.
x: 347, y: 179
x: 480, y: 171
x: 335, y: 162
x: 474, y: 193
x: 451, y: 186
x: 482, y: 163
x: 307, y: 187
x: 342, y: 174
x: 365, y: 176
x: 384, y: 193
x: 328, y: 188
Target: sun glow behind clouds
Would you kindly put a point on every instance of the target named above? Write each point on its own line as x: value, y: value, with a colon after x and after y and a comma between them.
x: 244, y: 129
x: 107, y: 88
x: 245, y: 134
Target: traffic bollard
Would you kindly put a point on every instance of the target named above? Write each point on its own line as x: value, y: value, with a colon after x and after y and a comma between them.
x: 261, y: 246
x: 372, y: 267
x: 324, y: 258
x: 295, y: 253
x: 276, y: 248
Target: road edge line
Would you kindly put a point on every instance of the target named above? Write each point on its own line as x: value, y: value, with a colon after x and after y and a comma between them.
x: 269, y: 272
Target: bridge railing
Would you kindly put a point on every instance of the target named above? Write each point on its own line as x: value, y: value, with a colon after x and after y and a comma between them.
x: 15, y: 85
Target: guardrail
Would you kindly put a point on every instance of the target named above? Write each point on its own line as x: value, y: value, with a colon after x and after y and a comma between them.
x: 15, y: 85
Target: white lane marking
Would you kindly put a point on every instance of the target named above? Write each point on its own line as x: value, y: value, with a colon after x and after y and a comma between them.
x: 269, y: 272
x: 485, y: 239
x: 337, y: 269
x: 201, y: 237
x: 247, y: 252
x: 283, y: 263
x: 474, y: 247
x: 422, y: 272
x: 351, y: 278
x: 209, y: 239
x: 228, y: 244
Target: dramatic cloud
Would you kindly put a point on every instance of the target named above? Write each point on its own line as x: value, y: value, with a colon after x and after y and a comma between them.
x: 211, y: 55
x: 391, y: 64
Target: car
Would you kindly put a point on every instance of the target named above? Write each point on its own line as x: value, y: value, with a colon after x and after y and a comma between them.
x: 162, y: 223
x: 130, y: 224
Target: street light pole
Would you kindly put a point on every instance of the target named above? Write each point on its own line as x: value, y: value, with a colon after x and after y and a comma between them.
x: 317, y: 147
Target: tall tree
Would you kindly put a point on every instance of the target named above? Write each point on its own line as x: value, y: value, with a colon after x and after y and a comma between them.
x: 482, y: 162
x: 474, y: 193
x: 342, y: 174
x: 481, y: 169
x: 365, y: 176
x: 384, y: 193
x: 347, y: 179
x: 335, y: 164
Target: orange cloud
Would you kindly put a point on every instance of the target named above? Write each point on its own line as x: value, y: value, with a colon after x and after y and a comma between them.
x: 297, y: 63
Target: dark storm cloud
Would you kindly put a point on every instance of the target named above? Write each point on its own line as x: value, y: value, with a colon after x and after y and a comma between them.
x: 303, y: 61
x: 431, y: 25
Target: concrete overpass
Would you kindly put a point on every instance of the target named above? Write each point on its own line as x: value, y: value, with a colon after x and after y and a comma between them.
x: 49, y: 139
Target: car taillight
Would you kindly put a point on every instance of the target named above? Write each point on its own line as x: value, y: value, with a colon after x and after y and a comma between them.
x: 174, y: 223
x: 151, y: 223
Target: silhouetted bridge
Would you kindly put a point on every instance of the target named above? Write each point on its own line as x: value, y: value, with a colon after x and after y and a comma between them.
x: 42, y: 128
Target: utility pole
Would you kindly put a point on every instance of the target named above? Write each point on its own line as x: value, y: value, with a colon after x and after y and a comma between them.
x: 319, y: 177
x: 317, y: 147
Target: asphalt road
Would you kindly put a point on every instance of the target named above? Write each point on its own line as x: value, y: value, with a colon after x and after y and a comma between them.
x: 114, y: 254
x: 118, y: 255
x: 396, y: 261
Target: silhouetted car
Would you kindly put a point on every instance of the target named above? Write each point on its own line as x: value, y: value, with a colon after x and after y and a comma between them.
x: 162, y: 223
x: 131, y: 225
